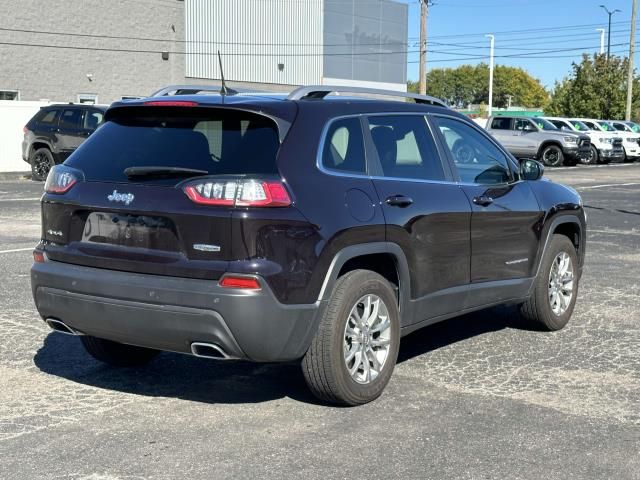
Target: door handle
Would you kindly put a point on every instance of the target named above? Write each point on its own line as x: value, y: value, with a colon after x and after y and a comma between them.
x: 483, y: 200
x: 401, y: 201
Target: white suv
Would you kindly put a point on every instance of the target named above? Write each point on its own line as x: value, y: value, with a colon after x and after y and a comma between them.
x: 631, y: 141
x: 605, y: 147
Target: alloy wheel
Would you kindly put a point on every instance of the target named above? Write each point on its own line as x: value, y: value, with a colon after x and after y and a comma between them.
x: 367, y: 339
x: 561, y: 283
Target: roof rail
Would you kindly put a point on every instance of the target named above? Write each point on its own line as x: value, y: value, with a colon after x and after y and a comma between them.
x: 195, y: 89
x: 321, y: 91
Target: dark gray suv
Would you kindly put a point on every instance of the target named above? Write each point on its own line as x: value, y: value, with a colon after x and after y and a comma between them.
x: 55, y: 132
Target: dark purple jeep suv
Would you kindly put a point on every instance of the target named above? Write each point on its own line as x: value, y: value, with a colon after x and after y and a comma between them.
x: 307, y: 227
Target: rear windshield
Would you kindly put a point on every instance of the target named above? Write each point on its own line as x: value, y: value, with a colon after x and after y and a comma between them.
x: 218, y: 141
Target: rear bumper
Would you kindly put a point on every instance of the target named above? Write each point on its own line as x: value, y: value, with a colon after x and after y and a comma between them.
x: 170, y: 313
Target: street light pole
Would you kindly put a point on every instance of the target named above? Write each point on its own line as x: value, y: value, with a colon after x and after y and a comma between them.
x: 424, y: 14
x: 632, y: 51
x: 601, y: 30
x: 492, y: 38
x: 609, y: 32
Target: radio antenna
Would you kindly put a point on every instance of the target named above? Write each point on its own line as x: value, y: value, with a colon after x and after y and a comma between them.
x: 223, y: 89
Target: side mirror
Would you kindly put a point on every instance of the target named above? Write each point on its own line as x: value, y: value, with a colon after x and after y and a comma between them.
x: 531, y: 169
x: 530, y: 128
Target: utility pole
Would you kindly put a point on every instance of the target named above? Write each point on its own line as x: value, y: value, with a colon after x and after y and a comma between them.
x: 609, y: 31
x: 632, y: 51
x: 492, y: 38
x: 601, y: 30
x: 424, y: 13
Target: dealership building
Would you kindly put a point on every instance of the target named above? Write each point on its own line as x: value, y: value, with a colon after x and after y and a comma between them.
x: 101, y: 51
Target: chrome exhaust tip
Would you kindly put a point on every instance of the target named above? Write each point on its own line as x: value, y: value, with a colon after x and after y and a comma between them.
x: 60, y: 326
x: 209, y: 350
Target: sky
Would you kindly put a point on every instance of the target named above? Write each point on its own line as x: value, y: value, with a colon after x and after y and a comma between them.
x: 564, y: 29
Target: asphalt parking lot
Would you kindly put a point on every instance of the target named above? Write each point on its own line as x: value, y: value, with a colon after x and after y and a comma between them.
x: 478, y: 397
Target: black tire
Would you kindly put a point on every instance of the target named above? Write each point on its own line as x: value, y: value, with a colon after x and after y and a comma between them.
x: 552, y: 156
x: 41, y: 161
x: 117, y: 354
x: 324, y: 365
x: 538, y: 308
x: 593, y: 158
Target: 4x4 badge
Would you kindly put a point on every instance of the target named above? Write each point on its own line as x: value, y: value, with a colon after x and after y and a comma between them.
x: 125, y: 198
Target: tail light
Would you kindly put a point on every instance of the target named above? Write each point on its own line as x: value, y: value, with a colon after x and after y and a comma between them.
x: 25, y: 129
x: 61, y: 179
x: 242, y: 193
x: 38, y: 256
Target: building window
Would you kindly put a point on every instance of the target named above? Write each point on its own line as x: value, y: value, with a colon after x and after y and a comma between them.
x: 9, y: 95
x: 89, y: 98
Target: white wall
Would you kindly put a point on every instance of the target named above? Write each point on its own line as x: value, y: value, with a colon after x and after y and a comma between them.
x: 13, y: 117
x: 482, y: 122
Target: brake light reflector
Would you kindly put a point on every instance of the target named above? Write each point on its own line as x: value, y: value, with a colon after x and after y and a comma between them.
x: 240, y: 282
x: 60, y: 180
x: 175, y: 103
x: 247, y: 193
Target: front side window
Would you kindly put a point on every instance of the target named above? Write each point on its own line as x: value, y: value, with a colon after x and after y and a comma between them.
x: 343, y: 149
x: 476, y: 157
x: 523, y: 124
x: 70, y: 118
x: 405, y: 147
x: 92, y: 119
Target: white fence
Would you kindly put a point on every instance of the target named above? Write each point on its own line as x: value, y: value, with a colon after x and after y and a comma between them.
x: 13, y: 117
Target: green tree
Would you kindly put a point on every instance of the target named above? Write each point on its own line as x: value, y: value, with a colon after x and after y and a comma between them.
x: 596, y: 88
x: 467, y: 84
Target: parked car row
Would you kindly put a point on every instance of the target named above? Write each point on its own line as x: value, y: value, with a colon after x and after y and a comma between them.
x: 559, y: 141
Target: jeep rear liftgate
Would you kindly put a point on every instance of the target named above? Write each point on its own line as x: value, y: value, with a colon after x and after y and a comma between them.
x: 159, y: 186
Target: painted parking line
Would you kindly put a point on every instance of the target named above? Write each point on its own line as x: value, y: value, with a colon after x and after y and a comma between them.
x: 608, y: 185
x: 16, y: 250
x: 28, y: 199
x: 584, y: 168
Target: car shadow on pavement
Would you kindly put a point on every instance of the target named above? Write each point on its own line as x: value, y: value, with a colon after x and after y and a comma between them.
x: 230, y: 382
x: 461, y: 328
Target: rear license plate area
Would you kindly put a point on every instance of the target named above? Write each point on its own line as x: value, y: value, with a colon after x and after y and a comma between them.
x: 134, y: 231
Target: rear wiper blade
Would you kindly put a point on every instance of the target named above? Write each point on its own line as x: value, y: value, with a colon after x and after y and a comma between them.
x: 163, y: 172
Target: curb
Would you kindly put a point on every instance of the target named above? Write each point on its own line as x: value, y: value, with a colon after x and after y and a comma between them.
x: 15, y: 175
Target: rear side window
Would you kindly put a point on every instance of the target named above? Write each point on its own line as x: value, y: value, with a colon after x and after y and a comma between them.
x: 49, y: 117
x: 343, y: 148
x: 501, y: 123
x: 218, y: 141
x: 70, y: 118
x: 405, y: 147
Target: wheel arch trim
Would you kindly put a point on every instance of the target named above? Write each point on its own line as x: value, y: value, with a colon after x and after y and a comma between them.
x: 552, y: 225
x: 354, y: 251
